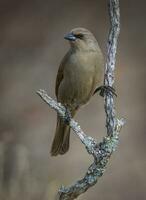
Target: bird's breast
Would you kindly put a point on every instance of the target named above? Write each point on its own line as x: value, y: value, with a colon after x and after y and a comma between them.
x: 79, y: 76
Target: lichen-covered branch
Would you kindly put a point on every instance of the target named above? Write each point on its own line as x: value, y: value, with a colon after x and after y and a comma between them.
x: 114, y: 14
x: 60, y: 109
x: 102, y: 151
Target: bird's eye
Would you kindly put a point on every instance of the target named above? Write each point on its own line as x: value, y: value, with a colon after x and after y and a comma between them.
x: 79, y: 35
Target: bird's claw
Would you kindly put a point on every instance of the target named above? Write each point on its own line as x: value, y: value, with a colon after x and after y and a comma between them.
x: 67, y: 116
x: 103, y: 90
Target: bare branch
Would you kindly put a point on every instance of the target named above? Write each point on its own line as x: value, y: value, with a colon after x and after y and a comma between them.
x: 114, y: 14
x: 60, y: 109
x: 102, y: 151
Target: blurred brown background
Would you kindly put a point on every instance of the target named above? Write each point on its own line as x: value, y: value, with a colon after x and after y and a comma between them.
x: 31, y: 48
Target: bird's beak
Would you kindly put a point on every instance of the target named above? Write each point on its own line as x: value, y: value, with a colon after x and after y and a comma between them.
x: 70, y: 37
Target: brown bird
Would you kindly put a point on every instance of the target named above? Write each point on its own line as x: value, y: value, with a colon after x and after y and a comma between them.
x: 79, y: 74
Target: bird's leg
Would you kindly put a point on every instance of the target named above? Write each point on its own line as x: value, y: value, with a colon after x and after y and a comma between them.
x: 105, y: 90
x: 68, y: 115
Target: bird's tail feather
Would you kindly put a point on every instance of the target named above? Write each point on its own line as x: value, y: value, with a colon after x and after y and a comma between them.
x: 60, y: 143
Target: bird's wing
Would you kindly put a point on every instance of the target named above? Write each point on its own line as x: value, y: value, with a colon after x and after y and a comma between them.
x: 59, y: 77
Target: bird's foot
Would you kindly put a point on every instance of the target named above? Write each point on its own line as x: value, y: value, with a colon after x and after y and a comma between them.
x: 103, y: 90
x: 67, y: 116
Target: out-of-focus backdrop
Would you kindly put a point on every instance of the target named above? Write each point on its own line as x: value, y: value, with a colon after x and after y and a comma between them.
x: 31, y: 48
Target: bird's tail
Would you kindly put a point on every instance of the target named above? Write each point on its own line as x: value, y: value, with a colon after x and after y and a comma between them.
x: 60, y: 143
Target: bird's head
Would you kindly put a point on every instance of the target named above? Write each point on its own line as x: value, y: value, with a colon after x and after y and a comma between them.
x: 82, y: 39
